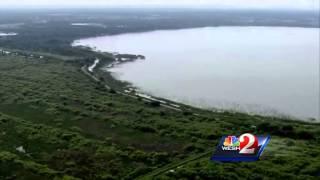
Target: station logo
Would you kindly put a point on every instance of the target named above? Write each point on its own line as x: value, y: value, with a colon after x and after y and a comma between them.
x: 246, y: 147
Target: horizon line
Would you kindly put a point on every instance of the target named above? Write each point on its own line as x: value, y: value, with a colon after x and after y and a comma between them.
x: 31, y: 7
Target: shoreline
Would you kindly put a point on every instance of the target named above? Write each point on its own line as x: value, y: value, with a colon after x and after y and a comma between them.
x: 154, y: 101
x: 232, y: 106
x: 129, y: 90
x: 113, y: 84
x: 99, y: 68
x: 74, y: 42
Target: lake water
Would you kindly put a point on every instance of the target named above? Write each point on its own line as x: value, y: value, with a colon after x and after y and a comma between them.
x: 264, y: 70
x: 7, y: 34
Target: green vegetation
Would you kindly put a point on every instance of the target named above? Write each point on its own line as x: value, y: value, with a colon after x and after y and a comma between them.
x: 72, y: 127
x: 56, y: 122
x: 52, y: 30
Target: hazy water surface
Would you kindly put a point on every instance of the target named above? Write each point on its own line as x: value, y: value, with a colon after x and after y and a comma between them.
x: 266, y: 70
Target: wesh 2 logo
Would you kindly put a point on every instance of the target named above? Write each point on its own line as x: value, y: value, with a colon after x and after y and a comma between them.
x: 245, y: 144
x: 246, y: 147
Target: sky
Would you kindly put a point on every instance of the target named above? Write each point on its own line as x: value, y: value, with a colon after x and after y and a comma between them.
x: 260, y: 4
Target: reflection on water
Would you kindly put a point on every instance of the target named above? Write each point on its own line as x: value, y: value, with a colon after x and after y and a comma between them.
x: 7, y: 34
x: 266, y: 70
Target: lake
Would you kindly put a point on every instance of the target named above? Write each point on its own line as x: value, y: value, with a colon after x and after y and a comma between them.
x: 7, y: 34
x: 263, y: 70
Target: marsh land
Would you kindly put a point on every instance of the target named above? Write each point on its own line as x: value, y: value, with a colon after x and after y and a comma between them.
x: 60, y: 122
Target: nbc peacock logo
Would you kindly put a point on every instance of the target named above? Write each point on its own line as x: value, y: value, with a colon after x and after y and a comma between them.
x: 231, y: 143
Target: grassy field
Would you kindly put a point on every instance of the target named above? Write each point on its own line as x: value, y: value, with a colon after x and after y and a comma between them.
x: 71, y: 127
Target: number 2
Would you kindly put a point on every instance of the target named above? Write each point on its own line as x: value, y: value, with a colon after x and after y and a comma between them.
x: 248, y: 143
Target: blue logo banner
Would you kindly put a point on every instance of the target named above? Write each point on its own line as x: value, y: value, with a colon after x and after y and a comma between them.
x: 246, y: 147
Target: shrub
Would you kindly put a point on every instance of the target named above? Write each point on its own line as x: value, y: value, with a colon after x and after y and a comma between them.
x: 155, y: 103
x: 267, y: 127
x: 145, y: 128
x: 138, y: 172
x: 286, y: 130
x: 162, y: 113
x: 187, y: 113
x: 139, y: 111
x: 305, y: 135
x: 192, y: 148
x: 112, y: 91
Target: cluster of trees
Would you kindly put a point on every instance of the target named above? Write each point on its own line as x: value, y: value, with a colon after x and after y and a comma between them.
x: 72, y: 127
x: 47, y: 32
